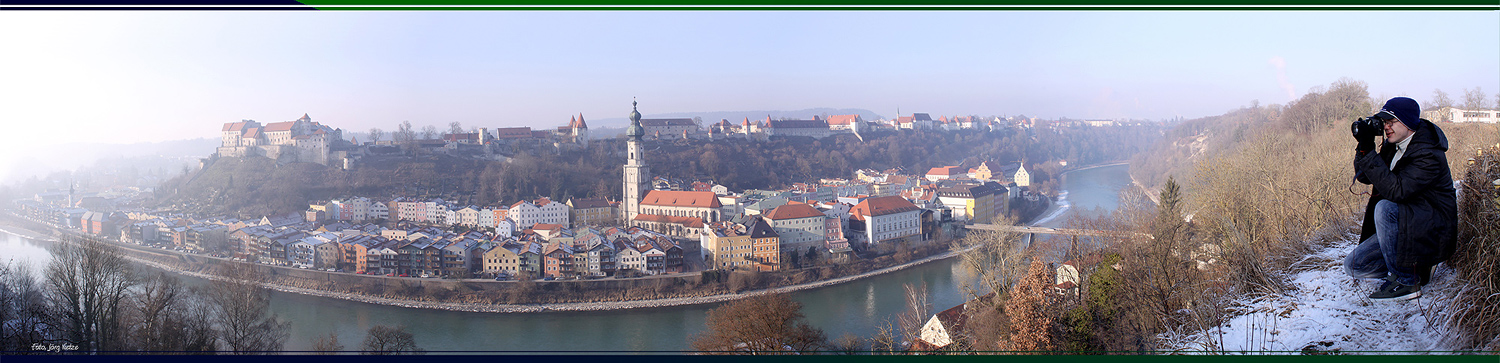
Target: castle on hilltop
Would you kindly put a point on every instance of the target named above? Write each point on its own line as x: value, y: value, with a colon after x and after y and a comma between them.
x: 292, y: 141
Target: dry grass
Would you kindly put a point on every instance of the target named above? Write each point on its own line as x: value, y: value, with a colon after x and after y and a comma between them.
x: 1475, y: 319
x: 1265, y: 203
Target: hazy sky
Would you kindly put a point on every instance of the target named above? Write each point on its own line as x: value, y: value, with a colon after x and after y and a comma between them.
x: 150, y: 76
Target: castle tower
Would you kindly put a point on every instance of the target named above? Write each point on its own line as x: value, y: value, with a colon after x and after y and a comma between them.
x: 637, y: 174
x: 581, y: 132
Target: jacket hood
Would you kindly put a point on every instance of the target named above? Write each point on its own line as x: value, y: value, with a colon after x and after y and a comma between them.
x: 1430, y: 133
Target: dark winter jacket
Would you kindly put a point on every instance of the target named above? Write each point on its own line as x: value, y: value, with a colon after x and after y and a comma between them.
x: 1423, y: 186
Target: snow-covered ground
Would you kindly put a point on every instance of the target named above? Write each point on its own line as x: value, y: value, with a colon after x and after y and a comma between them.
x: 1327, y: 311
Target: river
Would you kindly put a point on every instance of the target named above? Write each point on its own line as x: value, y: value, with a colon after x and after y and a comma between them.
x: 857, y: 307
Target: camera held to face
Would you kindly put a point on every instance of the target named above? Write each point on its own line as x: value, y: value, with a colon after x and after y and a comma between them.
x: 1367, y: 127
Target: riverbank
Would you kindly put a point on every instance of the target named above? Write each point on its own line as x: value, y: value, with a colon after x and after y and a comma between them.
x: 12, y: 228
x: 588, y: 306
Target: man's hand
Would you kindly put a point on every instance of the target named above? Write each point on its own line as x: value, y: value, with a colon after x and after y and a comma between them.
x: 1365, y: 144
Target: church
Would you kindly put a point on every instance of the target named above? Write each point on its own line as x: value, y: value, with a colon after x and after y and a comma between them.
x: 675, y: 213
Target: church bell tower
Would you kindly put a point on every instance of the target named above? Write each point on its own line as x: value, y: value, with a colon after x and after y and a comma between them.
x: 637, y: 174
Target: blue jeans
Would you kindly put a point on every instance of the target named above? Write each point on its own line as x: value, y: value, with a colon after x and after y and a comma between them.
x: 1375, y: 257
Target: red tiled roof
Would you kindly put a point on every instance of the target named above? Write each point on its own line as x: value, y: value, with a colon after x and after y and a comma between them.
x: 235, y: 126
x: 545, y: 226
x: 842, y: 119
x: 879, y: 206
x: 690, y: 222
x: 673, y: 198
x: 252, y: 133
x: 944, y: 170
x: 512, y: 132
x: 793, y: 210
x: 279, y: 126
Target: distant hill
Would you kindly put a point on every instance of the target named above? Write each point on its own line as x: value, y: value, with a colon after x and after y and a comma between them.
x: 611, y: 127
x: 164, y: 154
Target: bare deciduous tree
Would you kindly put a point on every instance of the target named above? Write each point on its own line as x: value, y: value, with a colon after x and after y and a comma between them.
x: 918, y: 309
x: 1440, y: 99
x: 89, y: 281
x: 385, y: 340
x: 763, y: 324
x: 155, y: 300
x: 455, y: 127
x: 429, y: 132
x: 405, y: 136
x: 405, y: 132
x: 328, y: 344
x: 168, y: 317
x: 375, y: 134
x: 1474, y: 99
x: 24, y: 314
x: 887, y: 339
x: 849, y: 344
x: 242, y: 311
x: 996, y: 259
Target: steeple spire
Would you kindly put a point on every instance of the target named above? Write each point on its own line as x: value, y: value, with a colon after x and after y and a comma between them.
x: 635, y: 131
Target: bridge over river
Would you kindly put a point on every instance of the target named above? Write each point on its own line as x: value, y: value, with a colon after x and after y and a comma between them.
x: 1058, y: 231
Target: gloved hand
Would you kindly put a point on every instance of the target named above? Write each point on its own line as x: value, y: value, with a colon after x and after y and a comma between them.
x: 1365, y: 144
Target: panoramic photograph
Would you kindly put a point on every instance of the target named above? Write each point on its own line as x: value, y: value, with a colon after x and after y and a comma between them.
x: 750, y: 182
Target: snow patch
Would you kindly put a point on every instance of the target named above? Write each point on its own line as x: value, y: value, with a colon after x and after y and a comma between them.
x: 1326, y: 311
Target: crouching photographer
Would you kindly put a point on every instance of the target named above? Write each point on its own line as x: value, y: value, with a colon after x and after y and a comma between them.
x: 1410, y: 220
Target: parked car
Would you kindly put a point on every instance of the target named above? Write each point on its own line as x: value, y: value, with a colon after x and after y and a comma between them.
x: 426, y: 276
x: 404, y: 275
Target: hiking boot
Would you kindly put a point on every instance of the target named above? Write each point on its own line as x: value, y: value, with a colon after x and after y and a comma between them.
x: 1395, y: 291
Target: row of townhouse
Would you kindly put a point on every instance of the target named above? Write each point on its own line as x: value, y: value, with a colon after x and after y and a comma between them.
x: 509, y: 220
x: 586, y: 252
x: 364, y: 249
x: 430, y: 251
